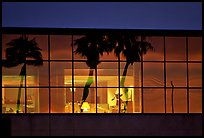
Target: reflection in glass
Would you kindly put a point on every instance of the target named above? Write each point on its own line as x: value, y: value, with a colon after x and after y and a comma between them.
x: 153, y: 74
x: 107, y: 102
x: 91, y: 100
x: 179, y: 100
x: 9, y: 100
x: 158, y: 53
x: 37, y: 75
x: 43, y: 100
x: 153, y: 99
x: 42, y: 44
x: 60, y: 74
x: 195, y: 48
x: 10, y: 76
x: 60, y: 47
x: 195, y: 74
x: 175, y: 48
x: 176, y: 72
x: 195, y: 100
x: 32, y: 100
x: 58, y: 100
x: 107, y: 74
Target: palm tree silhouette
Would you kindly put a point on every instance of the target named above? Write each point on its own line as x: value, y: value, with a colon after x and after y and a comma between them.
x: 16, y: 54
x: 91, y: 47
x: 132, y: 48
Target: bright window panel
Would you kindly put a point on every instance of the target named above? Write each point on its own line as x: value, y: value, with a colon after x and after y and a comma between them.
x: 195, y: 74
x: 158, y: 53
x: 44, y: 100
x: 58, y: 100
x: 175, y: 48
x: 194, y: 48
x: 107, y: 73
x: 60, y: 47
x: 137, y: 100
x: 129, y: 77
x: 32, y: 100
x: 153, y: 74
x: 90, y: 103
x: 195, y: 100
x: 60, y: 74
x: 68, y: 99
x: 37, y: 75
x: 9, y: 100
x: 10, y: 76
x: 176, y: 72
x: 153, y: 100
x: 107, y: 102
x: 81, y: 75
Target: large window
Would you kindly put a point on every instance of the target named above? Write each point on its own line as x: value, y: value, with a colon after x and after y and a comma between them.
x: 166, y: 79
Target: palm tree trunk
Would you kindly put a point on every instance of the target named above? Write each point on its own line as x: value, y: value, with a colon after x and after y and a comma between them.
x: 22, y: 74
x: 122, y: 84
x: 87, y: 85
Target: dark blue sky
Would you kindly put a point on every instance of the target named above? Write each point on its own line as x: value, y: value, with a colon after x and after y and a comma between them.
x: 119, y: 15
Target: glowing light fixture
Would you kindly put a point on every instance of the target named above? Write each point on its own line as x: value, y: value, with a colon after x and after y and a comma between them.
x: 85, y: 106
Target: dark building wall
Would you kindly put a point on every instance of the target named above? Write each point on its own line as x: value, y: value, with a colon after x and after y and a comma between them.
x: 105, y: 125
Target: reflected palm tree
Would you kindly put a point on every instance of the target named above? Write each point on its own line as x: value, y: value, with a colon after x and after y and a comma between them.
x: 17, y: 52
x: 132, y: 48
x: 91, y: 47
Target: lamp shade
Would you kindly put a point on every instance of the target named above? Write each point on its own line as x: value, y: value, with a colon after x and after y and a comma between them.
x: 85, y: 106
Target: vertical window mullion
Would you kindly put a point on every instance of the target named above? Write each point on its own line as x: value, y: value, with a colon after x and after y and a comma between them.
x: 187, y: 74
x: 49, y: 71
x: 118, y: 84
x: 164, y: 74
x: 142, y: 81
x: 73, y: 75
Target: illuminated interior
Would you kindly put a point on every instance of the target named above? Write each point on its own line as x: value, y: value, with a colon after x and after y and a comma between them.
x: 58, y: 85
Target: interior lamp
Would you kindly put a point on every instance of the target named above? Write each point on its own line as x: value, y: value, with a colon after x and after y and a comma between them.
x: 85, y: 106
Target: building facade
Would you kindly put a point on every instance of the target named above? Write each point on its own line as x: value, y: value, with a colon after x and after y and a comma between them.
x: 166, y: 79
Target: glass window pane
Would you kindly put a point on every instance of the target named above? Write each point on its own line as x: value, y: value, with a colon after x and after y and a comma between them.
x: 37, y: 75
x: 83, y: 75
x: 127, y: 75
x: 153, y: 74
x: 9, y: 100
x: 106, y: 100
x: 58, y: 100
x: 42, y: 41
x: 43, y: 102
x: 137, y: 100
x: 68, y: 99
x: 32, y: 98
x: 107, y: 73
x: 179, y: 100
x: 6, y: 38
x: 153, y: 100
x: 60, y: 74
x: 175, y: 48
x: 195, y: 100
x: 11, y: 77
x: 158, y: 53
x: 176, y: 72
x: 85, y: 50
x: 195, y: 48
x: 61, y: 47
x: 89, y: 106
x: 195, y: 74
